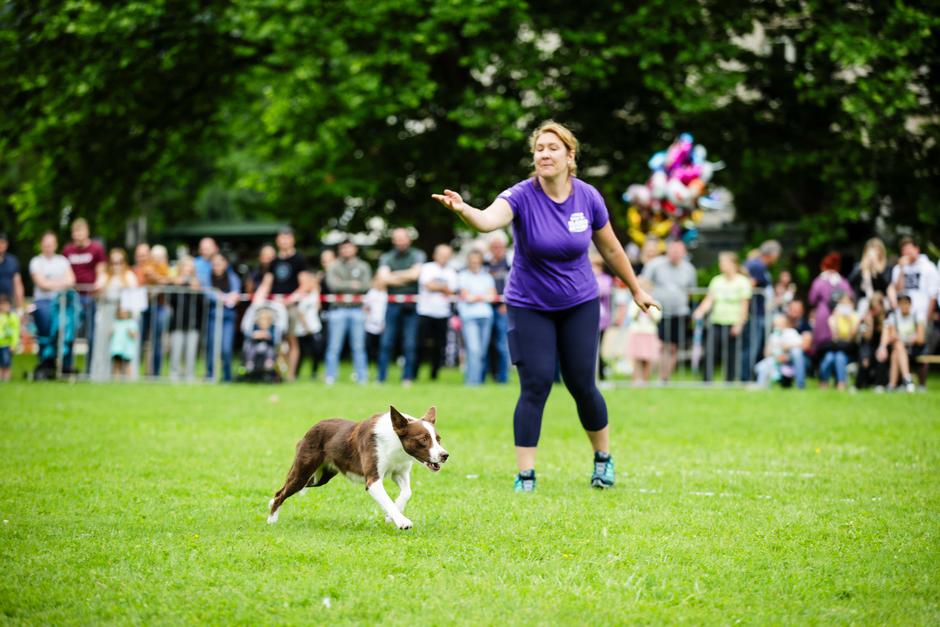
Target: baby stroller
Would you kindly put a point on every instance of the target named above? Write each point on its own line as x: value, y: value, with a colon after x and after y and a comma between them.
x: 263, y: 326
x: 63, y: 318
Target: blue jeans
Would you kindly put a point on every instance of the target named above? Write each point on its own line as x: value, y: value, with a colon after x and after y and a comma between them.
x: 89, y: 307
x: 228, y: 338
x: 798, y: 361
x: 400, y: 317
x: 152, y: 326
x: 343, y: 320
x: 834, y: 360
x: 476, y: 339
x: 752, y: 342
x: 499, y: 345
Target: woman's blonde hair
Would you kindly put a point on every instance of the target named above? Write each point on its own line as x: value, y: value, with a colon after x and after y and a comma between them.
x: 876, y: 244
x: 564, y: 134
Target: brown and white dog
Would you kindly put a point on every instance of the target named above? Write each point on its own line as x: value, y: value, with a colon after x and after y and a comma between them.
x: 368, y: 451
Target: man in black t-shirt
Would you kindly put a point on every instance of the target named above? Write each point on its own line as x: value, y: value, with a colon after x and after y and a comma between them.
x: 288, y: 280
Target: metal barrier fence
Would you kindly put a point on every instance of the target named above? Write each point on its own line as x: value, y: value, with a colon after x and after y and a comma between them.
x: 172, y: 332
x: 686, y: 351
x: 182, y: 334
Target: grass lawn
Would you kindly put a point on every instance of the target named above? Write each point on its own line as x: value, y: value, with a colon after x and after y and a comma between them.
x: 146, y: 503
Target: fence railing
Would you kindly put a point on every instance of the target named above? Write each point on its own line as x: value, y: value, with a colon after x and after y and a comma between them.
x: 181, y: 334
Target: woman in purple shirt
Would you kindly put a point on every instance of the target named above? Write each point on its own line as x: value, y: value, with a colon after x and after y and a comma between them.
x: 551, y: 293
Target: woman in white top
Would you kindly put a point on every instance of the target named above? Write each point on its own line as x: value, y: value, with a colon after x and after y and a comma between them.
x: 110, y: 285
x: 436, y: 284
x: 51, y: 273
x: 477, y: 292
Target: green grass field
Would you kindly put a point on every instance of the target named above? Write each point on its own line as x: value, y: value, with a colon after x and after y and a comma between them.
x: 146, y: 504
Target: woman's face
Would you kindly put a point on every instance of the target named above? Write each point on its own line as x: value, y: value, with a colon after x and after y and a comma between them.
x: 218, y: 265
x: 550, y: 156
x: 117, y: 260
x: 727, y: 265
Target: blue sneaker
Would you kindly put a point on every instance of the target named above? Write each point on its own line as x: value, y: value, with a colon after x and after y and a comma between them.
x: 525, y: 481
x: 603, y: 476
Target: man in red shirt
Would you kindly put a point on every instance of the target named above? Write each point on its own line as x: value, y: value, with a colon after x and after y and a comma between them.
x: 88, y: 260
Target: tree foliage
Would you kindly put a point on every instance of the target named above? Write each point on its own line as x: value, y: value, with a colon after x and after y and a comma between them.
x: 327, y: 113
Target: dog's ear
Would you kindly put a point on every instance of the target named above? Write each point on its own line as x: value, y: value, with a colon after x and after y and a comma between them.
x: 399, y: 422
x: 431, y: 414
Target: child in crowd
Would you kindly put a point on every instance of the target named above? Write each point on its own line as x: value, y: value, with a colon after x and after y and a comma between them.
x: 9, y: 336
x: 374, y: 304
x: 261, y: 347
x: 643, y: 344
x: 777, y: 363
x: 123, y: 344
x: 843, y: 324
x: 309, y: 332
x: 784, y: 291
x: 905, y: 332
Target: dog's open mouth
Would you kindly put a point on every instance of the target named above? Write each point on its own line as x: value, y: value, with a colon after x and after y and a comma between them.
x: 432, y: 466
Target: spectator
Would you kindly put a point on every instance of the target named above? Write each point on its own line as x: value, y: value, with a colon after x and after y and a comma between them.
x: 837, y: 353
x: 727, y: 300
x: 151, y: 273
x: 605, y: 285
x: 9, y: 336
x: 203, y: 261
x: 88, y: 260
x: 784, y: 341
x: 643, y: 344
x: 51, y: 273
x: 870, y: 274
x: 112, y: 283
x: 651, y: 249
x: 186, y: 305
x: 374, y: 304
x: 905, y: 338
x: 309, y: 332
x: 266, y: 255
x: 872, y: 354
x: 11, y: 283
x: 822, y: 299
x: 399, y: 270
x: 477, y: 292
x: 123, y: 344
x: 288, y: 278
x: 437, y: 282
x: 784, y: 292
x: 498, y: 266
x: 347, y: 276
x: 225, y: 291
x: 752, y: 340
x: 672, y: 277
x: 915, y: 276
x: 799, y: 358
x: 260, y: 348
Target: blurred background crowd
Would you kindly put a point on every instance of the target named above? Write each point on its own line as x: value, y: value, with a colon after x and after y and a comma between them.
x: 109, y: 314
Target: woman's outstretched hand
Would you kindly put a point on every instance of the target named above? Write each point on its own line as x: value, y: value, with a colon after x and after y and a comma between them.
x: 451, y: 200
x: 644, y: 301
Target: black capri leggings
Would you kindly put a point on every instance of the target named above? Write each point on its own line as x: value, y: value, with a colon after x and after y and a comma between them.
x: 537, y: 339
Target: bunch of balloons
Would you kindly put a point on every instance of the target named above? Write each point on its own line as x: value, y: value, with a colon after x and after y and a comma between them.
x: 670, y: 203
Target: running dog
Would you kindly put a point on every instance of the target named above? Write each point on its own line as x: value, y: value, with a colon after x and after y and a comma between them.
x: 367, y: 451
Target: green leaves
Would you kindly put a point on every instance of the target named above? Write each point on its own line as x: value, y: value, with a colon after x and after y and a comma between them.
x: 824, y: 113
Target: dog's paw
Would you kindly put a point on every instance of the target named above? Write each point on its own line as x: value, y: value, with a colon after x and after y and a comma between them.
x: 404, y: 523
x: 272, y: 518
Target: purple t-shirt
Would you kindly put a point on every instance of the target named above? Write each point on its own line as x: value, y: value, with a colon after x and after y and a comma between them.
x: 551, y: 269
